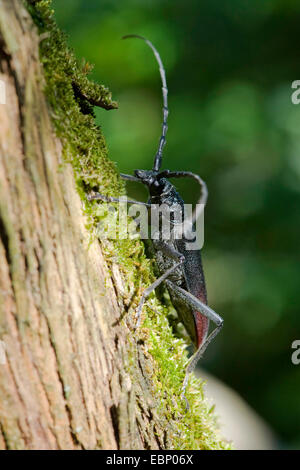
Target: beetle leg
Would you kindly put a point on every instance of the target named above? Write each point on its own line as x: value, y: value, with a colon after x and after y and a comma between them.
x: 171, y: 253
x: 101, y: 197
x: 209, y: 313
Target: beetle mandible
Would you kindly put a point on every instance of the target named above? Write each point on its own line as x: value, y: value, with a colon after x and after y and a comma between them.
x: 180, y: 267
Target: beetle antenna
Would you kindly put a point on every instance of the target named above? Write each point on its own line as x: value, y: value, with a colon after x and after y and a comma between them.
x: 162, y: 141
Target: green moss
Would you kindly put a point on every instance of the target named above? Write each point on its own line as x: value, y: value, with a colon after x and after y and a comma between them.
x: 71, y: 96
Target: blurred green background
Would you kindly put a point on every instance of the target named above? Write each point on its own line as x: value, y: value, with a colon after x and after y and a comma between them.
x: 229, y: 67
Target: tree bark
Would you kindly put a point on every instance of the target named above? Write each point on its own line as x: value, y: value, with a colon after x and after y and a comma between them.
x: 64, y: 351
x: 62, y: 383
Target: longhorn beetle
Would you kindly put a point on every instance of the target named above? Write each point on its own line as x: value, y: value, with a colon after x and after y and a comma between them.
x: 180, y: 268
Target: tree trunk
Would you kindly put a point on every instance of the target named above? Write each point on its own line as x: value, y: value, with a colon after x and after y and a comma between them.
x: 71, y: 376
x: 62, y: 380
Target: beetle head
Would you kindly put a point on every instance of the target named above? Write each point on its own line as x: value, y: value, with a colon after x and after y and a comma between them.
x: 152, y: 180
x: 148, y: 177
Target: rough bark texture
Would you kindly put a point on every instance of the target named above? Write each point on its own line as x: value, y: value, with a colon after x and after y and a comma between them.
x: 63, y: 384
